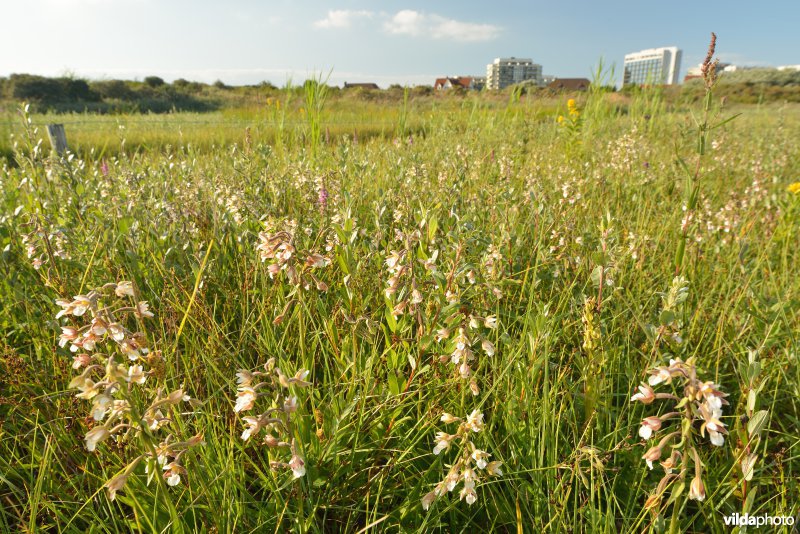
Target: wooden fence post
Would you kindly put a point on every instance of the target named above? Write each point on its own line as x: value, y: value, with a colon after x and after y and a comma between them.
x: 58, y: 138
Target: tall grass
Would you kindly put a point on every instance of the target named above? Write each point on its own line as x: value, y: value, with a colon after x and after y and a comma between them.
x: 494, y: 192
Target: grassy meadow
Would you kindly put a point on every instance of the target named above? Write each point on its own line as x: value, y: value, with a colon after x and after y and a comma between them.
x: 437, y: 314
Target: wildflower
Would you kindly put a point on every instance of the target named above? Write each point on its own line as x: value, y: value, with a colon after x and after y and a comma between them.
x: 300, y: 378
x: 253, y: 427
x: 428, y: 499
x: 244, y: 378
x: 322, y: 198
x: 177, y: 396
x: 290, y: 404
x: 646, y: 394
x: 89, y: 389
x: 245, y: 399
x: 653, y: 454
x: 794, y: 188
x: 155, y: 420
x: 474, y: 421
x: 672, y: 462
x: 449, y: 418
x: 469, y: 494
x: 67, y: 334
x: 487, y: 347
x: 115, y: 484
x: 697, y: 490
x: 117, y: 331
x: 136, y: 374
x: 81, y: 360
x: 99, y: 328
x: 142, y: 310
x: 416, y: 296
x: 490, y: 322
x: 123, y: 289
x: 130, y: 348
x: 173, y: 472
x: 716, y: 428
x: 469, y: 477
x: 76, y: 307
x: 480, y: 458
x: 443, y: 440
x: 317, y: 261
x: 100, y: 406
x: 88, y: 342
x: 296, y: 463
x: 393, y: 260
x: 493, y: 468
x: 95, y: 436
x: 658, y: 375
x: 649, y: 426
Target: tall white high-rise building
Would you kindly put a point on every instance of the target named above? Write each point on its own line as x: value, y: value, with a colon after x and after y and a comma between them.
x: 653, y: 66
x: 505, y: 71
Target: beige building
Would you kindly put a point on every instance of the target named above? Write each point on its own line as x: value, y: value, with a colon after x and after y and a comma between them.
x: 505, y: 71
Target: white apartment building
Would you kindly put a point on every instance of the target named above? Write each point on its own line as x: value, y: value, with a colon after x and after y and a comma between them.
x: 505, y: 71
x: 653, y: 66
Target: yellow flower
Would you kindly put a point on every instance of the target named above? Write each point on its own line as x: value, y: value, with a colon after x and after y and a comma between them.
x: 560, y: 119
x: 794, y: 188
x: 571, y: 103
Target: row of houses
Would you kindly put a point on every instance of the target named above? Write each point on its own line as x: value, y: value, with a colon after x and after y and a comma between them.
x: 477, y: 83
x: 504, y: 72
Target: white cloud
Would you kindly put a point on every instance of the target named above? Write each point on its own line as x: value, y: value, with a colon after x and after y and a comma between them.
x: 341, y: 18
x: 406, y: 22
x: 415, y: 23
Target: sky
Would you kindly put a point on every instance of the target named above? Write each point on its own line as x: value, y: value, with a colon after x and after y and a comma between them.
x: 384, y: 41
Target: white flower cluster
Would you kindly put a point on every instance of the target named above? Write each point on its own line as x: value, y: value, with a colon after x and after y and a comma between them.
x: 123, y: 406
x: 276, y: 421
x: 471, y: 462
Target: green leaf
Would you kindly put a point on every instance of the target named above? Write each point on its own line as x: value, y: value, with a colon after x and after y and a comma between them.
x: 394, y: 383
x: 667, y: 317
x: 752, y: 395
x: 724, y: 122
x: 433, y: 225
x: 757, y: 423
x: 753, y: 370
x: 390, y: 320
x: 749, y: 466
x: 677, y: 491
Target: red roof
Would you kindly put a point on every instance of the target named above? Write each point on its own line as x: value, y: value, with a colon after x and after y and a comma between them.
x: 462, y: 81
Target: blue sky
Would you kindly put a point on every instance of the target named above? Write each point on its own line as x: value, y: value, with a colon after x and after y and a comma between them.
x: 406, y: 42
